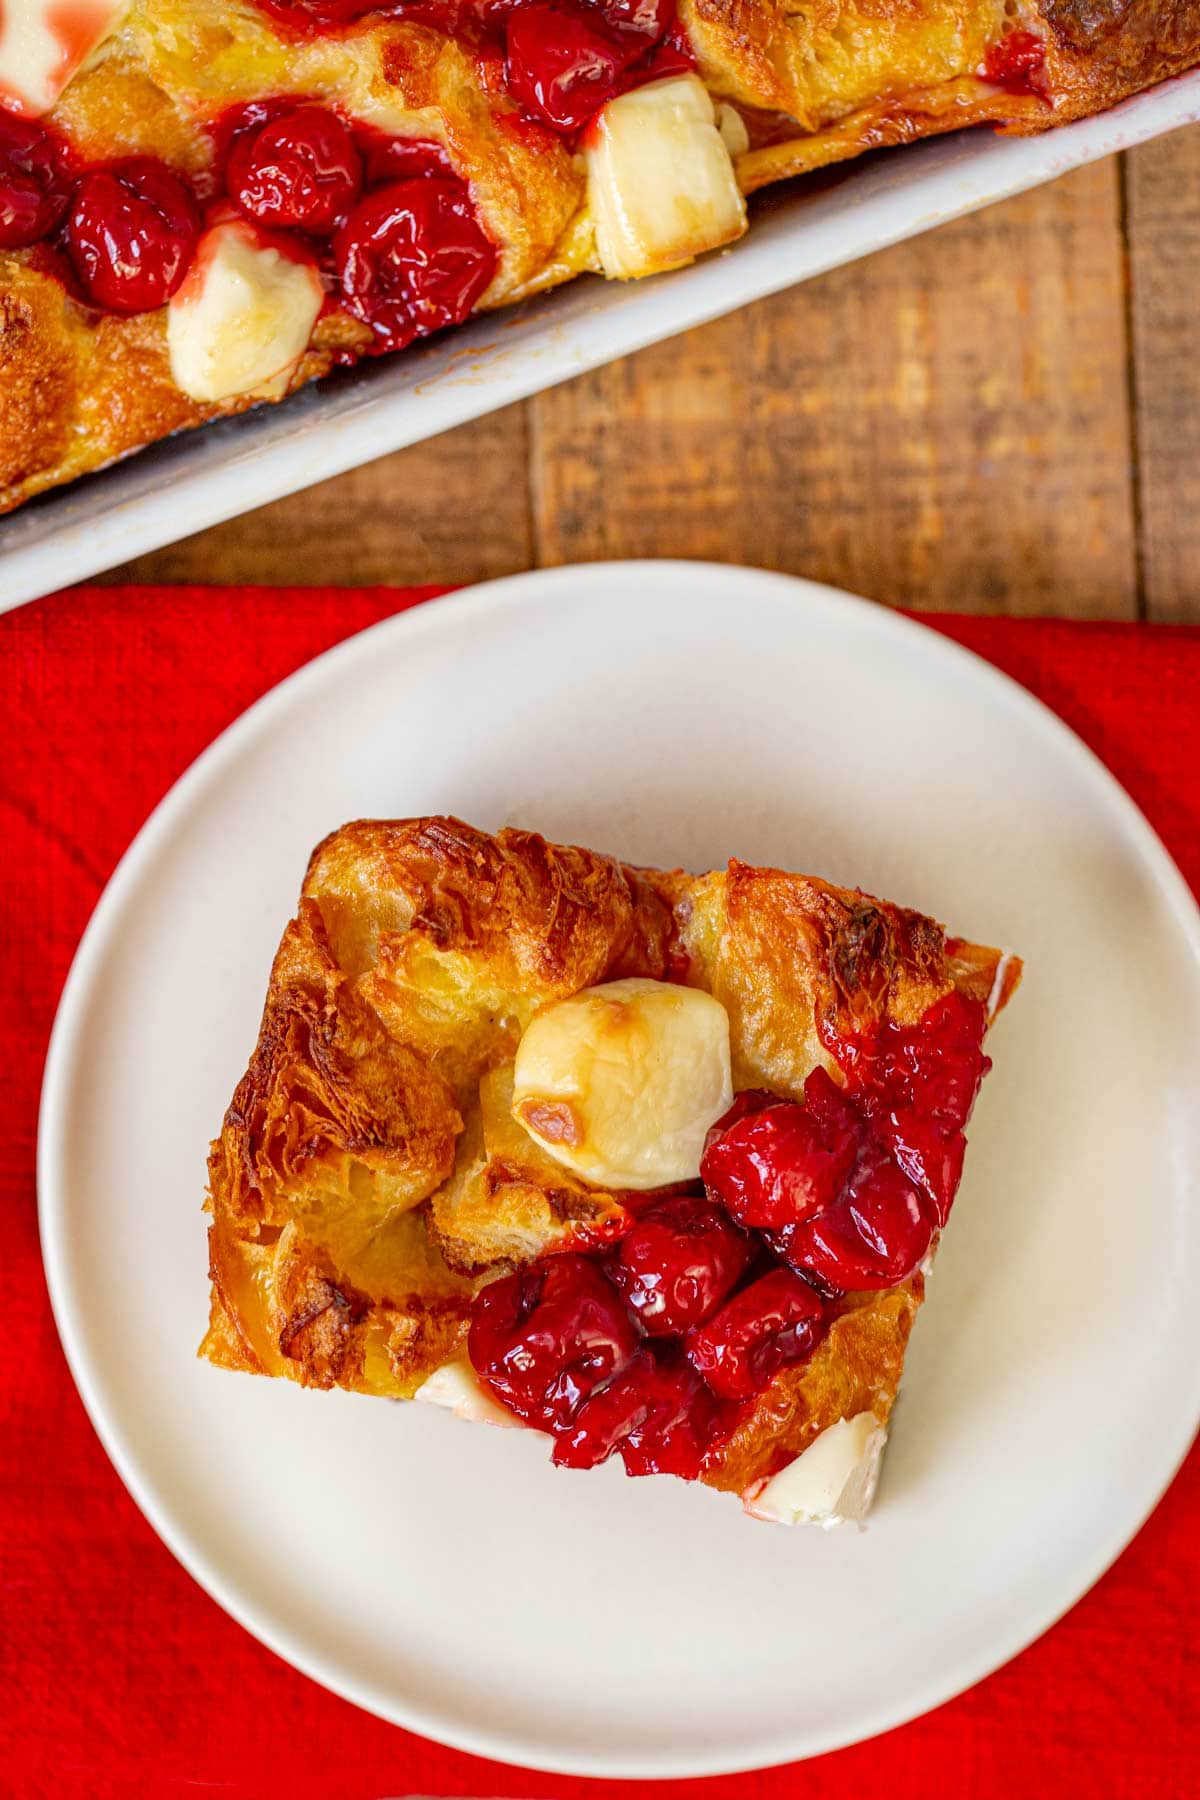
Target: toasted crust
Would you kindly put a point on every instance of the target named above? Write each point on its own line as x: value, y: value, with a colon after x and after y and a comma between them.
x: 815, y: 82
x: 1102, y: 50
x: 369, y: 1174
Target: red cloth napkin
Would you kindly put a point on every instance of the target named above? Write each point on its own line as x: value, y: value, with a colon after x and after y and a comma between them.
x: 118, y: 1676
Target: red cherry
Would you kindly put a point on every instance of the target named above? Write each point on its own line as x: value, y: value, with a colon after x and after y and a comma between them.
x: 1016, y: 62
x: 750, y: 1100
x: 399, y: 158
x: 244, y: 120
x: 918, y: 1085
x: 543, y: 1339
x: 873, y: 1237
x: 787, y: 1162
x: 942, y: 1064
x: 657, y: 1412
x: 678, y: 1263
x: 683, y: 1421
x: 301, y: 172
x: 559, y: 67
x: 649, y: 20
x: 935, y: 1066
x: 774, y: 1323
x: 411, y: 258
x: 131, y: 232
x: 830, y: 1105
x: 930, y: 1159
x: 35, y: 182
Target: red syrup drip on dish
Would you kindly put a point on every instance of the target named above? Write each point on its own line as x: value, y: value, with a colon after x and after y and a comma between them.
x: 301, y: 171
x: 653, y: 1348
x: 1017, y: 64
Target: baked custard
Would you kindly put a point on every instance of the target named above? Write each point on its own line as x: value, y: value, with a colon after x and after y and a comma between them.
x: 205, y: 204
x: 651, y: 1163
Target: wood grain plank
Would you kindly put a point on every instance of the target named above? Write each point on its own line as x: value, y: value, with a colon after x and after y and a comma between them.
x: 945, y: 425
x: 453, y: 509
x: 1163, y: 222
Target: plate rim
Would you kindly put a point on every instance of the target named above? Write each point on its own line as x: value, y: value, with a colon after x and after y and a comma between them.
x: 575, y: 584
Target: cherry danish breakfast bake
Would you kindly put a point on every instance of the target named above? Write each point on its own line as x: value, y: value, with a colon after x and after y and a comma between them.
x: 654, y: 1164
x: 205, y: 204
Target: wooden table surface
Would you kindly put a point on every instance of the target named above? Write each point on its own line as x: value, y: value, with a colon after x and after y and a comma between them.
x: 1001, y: 416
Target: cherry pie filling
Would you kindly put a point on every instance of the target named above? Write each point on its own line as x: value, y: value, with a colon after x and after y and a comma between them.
x: 404, y: 262
x: 298, y: 171
x: 392, y: 229
x: 655, y: 1347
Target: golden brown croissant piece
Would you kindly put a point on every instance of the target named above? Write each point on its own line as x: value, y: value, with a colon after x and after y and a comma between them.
x: 370, y: 1178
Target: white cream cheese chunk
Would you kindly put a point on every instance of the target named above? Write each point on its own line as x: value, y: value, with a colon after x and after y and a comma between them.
x: 661, y: 184
x: 243, y: 317
x: 621, y: 1082
x: 829, y: 1483
x: 732, y: 128
x: 456, y: 1387
x: 43, y: 45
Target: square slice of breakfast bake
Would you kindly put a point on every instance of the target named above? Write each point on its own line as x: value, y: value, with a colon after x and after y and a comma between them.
x: 651, y: 1163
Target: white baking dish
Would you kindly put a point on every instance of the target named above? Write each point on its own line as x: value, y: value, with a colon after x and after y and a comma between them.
x: 201, y: 477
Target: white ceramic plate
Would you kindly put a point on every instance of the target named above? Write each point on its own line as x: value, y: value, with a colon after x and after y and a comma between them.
x: 444, y: 1575
x: 201, y: 477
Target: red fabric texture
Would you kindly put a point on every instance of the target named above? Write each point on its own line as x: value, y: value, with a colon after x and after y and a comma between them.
x: 118, y: 1676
